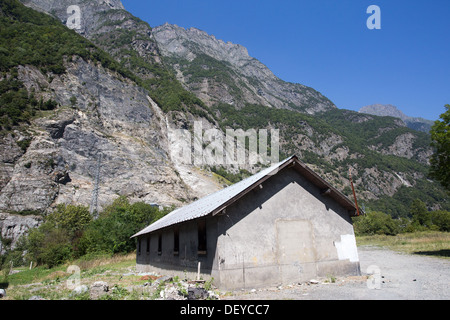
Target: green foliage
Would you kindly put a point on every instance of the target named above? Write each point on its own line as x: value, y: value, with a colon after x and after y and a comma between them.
x: 55, y: 241
x: 28, y: 37
x: 17, y: 105
x: 423, y: 220
x: 111, y: 232
x: 48, y: 245
x: 379, y: 223
x: 419, y: 212
x: 376, y: 223
x: 398, y: 206
x: 440, y: 161
x: 71, y: 218
x: 441, y: 219
x: 70, y: 232
x: 377, y: 131
x: 232, y: 177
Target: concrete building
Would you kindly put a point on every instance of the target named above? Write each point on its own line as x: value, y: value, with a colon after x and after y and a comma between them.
x: 283, y: 225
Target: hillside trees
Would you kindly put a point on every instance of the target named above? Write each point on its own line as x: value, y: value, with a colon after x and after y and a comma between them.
x: 420, y: 219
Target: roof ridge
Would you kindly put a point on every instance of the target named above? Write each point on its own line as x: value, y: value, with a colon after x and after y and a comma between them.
x: 205, y: 207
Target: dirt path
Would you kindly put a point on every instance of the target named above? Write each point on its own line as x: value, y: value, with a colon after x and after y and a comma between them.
x: 394, y: 276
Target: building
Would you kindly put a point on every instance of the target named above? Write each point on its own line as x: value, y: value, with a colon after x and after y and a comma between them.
x: 283, y: 225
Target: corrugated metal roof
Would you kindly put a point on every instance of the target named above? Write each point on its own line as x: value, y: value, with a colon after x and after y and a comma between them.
x: 216, y: 202
x: 212, y: 202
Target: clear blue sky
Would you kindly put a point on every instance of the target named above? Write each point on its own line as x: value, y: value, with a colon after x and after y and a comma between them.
x: 325, y: 44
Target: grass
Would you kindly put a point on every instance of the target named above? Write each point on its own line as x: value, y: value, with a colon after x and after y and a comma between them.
x: 118, y: 271
x: 52, y: 283
x: 428, y: 243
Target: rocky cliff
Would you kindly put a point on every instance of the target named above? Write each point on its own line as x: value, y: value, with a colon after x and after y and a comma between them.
x: 219, y: 72
x: 388, y: 110
x: 101, y: 114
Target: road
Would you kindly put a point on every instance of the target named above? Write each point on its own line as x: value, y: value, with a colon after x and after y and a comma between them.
x: 393, y: 276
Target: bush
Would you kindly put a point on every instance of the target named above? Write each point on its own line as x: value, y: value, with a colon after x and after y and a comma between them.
x: 111, y: 232
x: 441, y: 220
x: 70, y: 232
x: 55, y: 241
x: 376, y: 223
x: 48, y: 245
x: 71, y: 218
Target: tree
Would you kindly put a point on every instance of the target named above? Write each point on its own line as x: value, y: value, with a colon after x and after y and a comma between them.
x: 441, y: 219
x: 71, y: 218
x: 111, y: 232
x: 54, y: 242
x: 48, y: 245
x: 376, y: 223
x: 421, y: 218
x: 440, y: 160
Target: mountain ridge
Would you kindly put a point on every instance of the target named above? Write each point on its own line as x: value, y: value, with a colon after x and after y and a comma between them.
x: 416, y: 123
x: 97, y: 109
x: 244, y: 78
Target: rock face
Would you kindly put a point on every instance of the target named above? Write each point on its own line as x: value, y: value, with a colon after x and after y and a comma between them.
x: 403, y: 146
x: 12, y: 227
x: 112, y: 118
x: 219, y: 72
x: 91, y: 10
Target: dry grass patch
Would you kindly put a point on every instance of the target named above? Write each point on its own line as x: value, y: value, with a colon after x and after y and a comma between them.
x: 430, y: 243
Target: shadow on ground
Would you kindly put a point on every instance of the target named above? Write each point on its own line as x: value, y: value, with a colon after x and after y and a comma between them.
x: 436, y: 253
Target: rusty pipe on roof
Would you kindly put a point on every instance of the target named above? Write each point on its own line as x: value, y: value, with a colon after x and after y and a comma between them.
x: 353, y: 189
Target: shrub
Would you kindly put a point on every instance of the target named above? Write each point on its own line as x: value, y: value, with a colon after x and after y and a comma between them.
x: 48, y: 245
x: 55, y: 241
x: 376, y: 223
x: 111, y: 232
x: 441, y: 220
x: 70, y: 232
x: 70, y: 218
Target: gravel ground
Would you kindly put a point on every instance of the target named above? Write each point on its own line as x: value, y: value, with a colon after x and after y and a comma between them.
x: 386, y: 275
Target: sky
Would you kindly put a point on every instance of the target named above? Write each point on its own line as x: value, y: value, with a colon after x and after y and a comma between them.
x: 327, y: 45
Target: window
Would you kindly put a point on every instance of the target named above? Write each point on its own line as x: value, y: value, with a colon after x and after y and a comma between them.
x: 160, y: 244
x: 139, y: 246
x: 201, y: 228
x: 148, y: 245
x: 176, y: 241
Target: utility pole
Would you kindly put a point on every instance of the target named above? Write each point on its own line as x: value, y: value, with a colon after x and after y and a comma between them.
x: 94, y: 201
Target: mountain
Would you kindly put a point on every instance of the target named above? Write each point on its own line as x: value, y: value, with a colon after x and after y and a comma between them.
x: 389, y: 110
x: 219, y: 72
x: 65, y: 102
x: 110, y: 90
